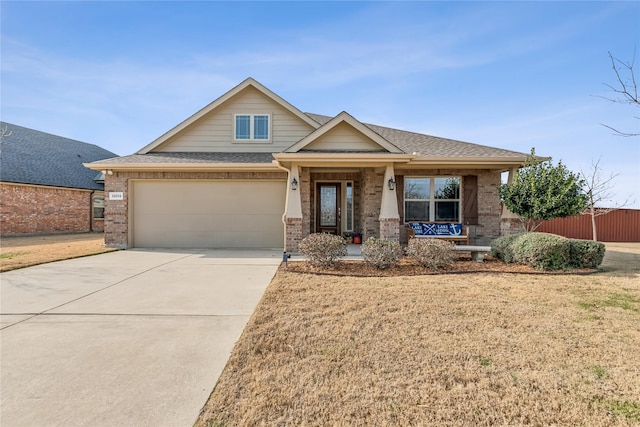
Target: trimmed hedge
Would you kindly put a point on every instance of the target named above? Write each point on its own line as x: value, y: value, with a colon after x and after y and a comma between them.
x: 501, y: 247
x: 322, y: 249
x: 381, y: 253
x: 586, y: 253
x: 432, y: 253
x: 544, y: 251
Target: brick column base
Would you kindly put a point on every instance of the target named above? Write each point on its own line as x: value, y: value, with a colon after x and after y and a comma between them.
x: 390, y: 229
x: 293, y: 229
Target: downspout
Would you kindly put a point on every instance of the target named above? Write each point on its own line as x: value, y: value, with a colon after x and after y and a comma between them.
x: 91, y: 210
x: 286, y: 203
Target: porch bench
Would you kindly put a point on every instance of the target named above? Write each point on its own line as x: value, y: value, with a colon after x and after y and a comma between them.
x: 442, y: 231
x: 477, y: 252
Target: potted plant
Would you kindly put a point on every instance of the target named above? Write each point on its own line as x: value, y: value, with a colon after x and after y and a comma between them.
x: 357, y: 238
x: 348, y: 236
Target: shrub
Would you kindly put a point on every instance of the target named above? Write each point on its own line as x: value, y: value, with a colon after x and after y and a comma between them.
x: 323, y: 249
x: 542, y: 251
x: 501, y: 247
x: 586, y: 253
x: 381, y: 253
x: 432, y: 253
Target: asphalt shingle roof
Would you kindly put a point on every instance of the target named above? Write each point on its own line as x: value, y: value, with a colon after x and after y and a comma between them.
x: 428, y: 145
x: 28, y: 156
x: 182, y: 157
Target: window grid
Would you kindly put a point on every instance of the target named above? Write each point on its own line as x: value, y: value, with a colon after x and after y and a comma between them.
x: 442, y: 204
x: 252, y: 127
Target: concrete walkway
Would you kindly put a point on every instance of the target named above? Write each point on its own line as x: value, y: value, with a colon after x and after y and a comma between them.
x: 130, y: 338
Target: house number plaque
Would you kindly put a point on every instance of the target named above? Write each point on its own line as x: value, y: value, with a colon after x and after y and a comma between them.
x: 116, y: 195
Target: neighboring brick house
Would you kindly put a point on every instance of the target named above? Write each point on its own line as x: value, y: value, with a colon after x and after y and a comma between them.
x: 44, y: 187
x: 252, y: 170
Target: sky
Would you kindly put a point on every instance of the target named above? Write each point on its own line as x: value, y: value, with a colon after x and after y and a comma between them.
x: 513, y: 75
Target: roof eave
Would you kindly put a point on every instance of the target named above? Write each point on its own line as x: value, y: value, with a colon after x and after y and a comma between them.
x: 184, y: 167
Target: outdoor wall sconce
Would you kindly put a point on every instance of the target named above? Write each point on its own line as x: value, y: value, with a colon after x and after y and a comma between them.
x: 392, y: 184
x: 294, y: 184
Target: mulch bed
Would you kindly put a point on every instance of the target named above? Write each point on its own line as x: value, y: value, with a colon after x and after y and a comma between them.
x: 406, y: 267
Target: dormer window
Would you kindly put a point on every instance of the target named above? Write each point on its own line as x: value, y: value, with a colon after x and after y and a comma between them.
x: 251, y: 127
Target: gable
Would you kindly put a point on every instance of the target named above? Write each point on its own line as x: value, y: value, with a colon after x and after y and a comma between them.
x: 344, y: 133
x: 343, y: 137
x: 212, y: 128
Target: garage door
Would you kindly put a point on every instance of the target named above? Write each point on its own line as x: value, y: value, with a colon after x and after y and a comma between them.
x: 208, y: 214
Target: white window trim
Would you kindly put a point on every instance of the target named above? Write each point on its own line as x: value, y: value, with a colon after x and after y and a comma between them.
x: 432, y: 197
x: 251, y: 139
x: 345, y: 225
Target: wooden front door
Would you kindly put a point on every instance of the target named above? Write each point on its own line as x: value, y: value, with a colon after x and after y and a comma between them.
x: 328, y: 203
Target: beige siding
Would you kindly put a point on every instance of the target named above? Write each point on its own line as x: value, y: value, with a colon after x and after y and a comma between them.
x: 208, y: 214
x: 214, y: 131
x: 343, y: 137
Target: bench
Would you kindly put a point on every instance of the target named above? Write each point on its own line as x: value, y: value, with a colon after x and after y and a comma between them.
x: 477, y: 252
x: 444, y: 231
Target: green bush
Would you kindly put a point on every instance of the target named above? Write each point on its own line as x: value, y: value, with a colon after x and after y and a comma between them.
x: 586, y: 253
x: 432, y: 253
x: 542, y: 251
x: 381, y: 253
x: 501, y: 247
x: 323, y: 249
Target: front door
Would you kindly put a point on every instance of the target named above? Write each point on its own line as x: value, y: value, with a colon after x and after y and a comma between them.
x: 328, y: 208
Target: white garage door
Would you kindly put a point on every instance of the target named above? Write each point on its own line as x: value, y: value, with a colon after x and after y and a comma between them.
x: 208, y: 214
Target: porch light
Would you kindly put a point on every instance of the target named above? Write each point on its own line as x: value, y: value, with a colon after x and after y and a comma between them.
x: 392, y: 184
x: 294, y: 184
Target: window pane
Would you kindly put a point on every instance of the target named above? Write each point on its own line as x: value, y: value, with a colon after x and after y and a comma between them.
x: 261, y: 127
x: 447, y: 211
x: 349, y: 206
x: 416, y: 211
x: 447, y: 188
x: 243, y: 127
x: 98, y: 207
x: 416, y: 188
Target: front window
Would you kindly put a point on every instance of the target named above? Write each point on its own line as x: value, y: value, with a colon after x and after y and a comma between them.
x: 251, y: 127
x: 98, y: 207
x: 432, y: 199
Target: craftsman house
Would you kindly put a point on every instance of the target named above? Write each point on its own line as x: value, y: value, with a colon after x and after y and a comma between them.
x: 44, y: 187
x: 251, y: 170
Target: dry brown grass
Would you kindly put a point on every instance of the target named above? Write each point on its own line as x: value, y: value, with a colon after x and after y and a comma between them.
x: 476, y: 349
x: 19, y: 252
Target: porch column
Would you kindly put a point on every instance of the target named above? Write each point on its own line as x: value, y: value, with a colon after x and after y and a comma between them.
x: 389, y: 217
x: 293, y: 212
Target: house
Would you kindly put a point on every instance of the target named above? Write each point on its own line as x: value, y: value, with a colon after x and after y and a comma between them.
x: 252, y: 170
x: 44, y: 187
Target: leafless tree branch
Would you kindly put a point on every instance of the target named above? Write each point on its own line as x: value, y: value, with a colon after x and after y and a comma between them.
x: 626, y: 92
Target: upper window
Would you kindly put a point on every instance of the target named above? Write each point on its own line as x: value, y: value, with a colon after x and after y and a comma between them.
x: 251, y: 127
x: 432, y: 199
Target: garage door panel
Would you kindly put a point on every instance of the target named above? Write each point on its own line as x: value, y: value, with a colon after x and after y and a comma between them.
x: 208, y: 214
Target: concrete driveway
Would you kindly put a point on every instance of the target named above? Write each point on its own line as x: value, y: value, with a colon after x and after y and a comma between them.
x: 129, y: 338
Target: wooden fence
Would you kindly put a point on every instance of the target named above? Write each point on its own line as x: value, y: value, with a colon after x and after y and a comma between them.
x: 622, y: 225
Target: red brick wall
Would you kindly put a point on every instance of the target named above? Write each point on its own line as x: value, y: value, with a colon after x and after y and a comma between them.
x: 27, y: 209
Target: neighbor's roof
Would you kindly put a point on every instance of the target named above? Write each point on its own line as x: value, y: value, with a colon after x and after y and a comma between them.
x: 428, y: 145
x: 28, y: 156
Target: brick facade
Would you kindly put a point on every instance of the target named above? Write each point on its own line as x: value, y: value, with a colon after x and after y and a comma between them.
x: 390, y: 229
x: 33, y: 209
x: 293, y: 233
x: 367, y: 196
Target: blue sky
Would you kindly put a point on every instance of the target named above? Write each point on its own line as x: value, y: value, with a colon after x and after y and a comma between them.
x: 514, y: 75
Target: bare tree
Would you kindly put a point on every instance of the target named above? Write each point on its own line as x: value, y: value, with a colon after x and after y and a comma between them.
x: 626, y: 90
x: 599, y: 190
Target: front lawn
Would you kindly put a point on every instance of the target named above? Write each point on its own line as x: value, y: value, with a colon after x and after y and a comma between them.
x: 475, y: 349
